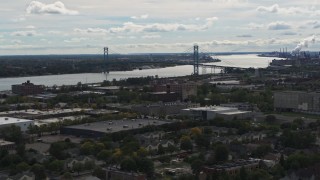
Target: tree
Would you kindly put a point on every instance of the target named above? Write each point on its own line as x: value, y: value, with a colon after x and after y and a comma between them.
x: 196, y: 131
x: 67, y: 176
x: 99, y: 173
x: 129, y: 147
x: 262, y: 150
x: 105, y: 155
x: 39, y: 171
x: 259, y: 174
x: 88, y: 148
x: 196, y: 166
x: 77, y: 167
x: 12, y: 133
x: 171, y: 148
x: 56, y: 165
x: 145, y: 165
x: 243, y: 174
x: 299, y: 139
x: 142, y: 152
x: 270, y: 119
x: 161, y: 149
x: 21, y: 167
x: 221, y: 153
x: 128, y: 164
x: 202, y: 141
x: 89, y: 165
x: 185, y: 143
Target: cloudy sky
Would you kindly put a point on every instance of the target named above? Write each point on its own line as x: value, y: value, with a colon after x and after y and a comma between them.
x: 137, y: 26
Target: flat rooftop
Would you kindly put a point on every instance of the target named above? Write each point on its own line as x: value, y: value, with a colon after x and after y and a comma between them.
x: 119, y: 125
x: 234, y: 112
x: 38, y: 112
x: 212, y: 108
x: 9, y: 120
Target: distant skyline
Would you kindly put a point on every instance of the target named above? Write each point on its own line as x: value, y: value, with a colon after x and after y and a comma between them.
x: 142, y: 26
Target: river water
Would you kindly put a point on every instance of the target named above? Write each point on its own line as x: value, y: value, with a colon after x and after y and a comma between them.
x: 245, y: 61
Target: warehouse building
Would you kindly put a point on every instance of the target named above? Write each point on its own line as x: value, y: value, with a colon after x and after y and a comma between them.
x: 297, y: 101
x: 27, y: 88
x: 100, y: 129
x: 211, y: 112
x: 22, y: 123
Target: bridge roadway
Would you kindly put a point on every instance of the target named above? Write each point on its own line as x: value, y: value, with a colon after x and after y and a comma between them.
x: 219, y: 66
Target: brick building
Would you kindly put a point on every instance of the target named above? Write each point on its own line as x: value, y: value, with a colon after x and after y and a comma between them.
x: 27, y: 88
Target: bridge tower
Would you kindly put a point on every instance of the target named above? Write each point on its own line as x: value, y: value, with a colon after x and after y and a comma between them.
x: 195, y: 60
x: 106, y: 59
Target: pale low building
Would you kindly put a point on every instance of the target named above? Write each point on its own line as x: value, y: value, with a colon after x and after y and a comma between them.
x: 22, y: 123
x: 211, y: 112
x: 298, y: 101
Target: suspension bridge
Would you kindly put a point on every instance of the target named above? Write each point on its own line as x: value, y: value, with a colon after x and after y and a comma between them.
x: 193, y: 52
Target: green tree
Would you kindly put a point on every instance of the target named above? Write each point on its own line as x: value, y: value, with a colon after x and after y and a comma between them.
x: 202, y: 141
x: 56, y: 165
x: 221, y: 153
x: 89, y: 165
x: 161, y: 149
x: 39, y: 171
x: 99, y: 173
x: 270, y: 119
x: 145, y: 165
x: 185, y: 143
x: 196, y: 166
x: 105, y: 155
x: 78, y: 167
x: 243, y: 174
x: 88, y: 148
x: 21, y: 167
x: 171, y: 148
x: 128, y: 164
x: 67, y: 176
x: 261, y: 151
x: 12, y: 133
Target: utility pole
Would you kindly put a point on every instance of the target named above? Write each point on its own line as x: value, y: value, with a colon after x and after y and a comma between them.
x: 106, y: 59
x: 196, y: 60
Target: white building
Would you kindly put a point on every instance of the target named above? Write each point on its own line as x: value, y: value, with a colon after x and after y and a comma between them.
x: 211, y: 112
x: 22, y: 123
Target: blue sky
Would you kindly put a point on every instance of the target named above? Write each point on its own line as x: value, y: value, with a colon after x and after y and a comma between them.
x: 137, y: 26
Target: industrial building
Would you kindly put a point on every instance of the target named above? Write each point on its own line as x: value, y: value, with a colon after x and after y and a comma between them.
x: 27, y: 88
x: 297, y: 101
x: 211, y: 112
x: 22, y: 123
x: 162, y: 109
x: 100, y: 129
x: 184, y: 90
x: 231, y: 168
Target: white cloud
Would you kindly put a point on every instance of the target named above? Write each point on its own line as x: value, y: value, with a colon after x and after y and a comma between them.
x: 151, y: 36
x: 144, y: 16
x: 75, y: 40
x: 131, y: 27
x: 279, y: 25
x: 91, y: 31
x: 24, y: 33
x: 36, y: 7
x: 19, y: 19
x: 161, y: 27
x: 271, y: 9
x: 16, y: 41
x: 288, y: 11
x: 289, y: 33
x: 245, y: 36
x: 315, y: 24
x: 30, y: 27
x: 255, y: 26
